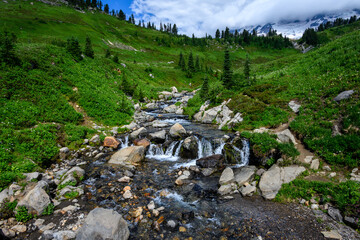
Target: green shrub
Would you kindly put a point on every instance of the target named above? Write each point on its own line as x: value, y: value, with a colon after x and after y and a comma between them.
x: 49, y: 209
x: 22, y: 214
x: 71, y: 195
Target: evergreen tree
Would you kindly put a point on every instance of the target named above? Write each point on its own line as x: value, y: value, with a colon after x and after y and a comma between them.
x: 106, y: 8
x: 125, y: 86
x: 100, y: 5
x: 227, y: 75
x: 107, y: 53
x: 310, y: 37
x: 181, y: 60
x: 132, y: 19
x: 191, y: 66
x: 217, y: 34
x: 247, y: 70
x: 197, y: 64
x: 73, y: 47
x: 87, y: 3
x: 89, y: 52
x: 94, y: 3
x: 227, y: 34
x: 161, y: 27
x: 7, y: 48
x: 204, y: 91
x: 174, y: 30
x: 122, y: 15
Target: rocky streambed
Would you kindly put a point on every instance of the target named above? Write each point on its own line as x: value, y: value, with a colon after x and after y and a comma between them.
x: 169, y: 178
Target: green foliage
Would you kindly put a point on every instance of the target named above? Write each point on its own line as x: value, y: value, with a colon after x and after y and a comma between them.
x: 7, y: 48
x: 73, y: 47
x: 345, y: 195
x: 69, y: 183
x: 71, y: 195
x: 310, y: 37
x: 88, y: 51
x: 191, y: 66
x: 7, y: 209
x: 107, y: 53
x: 247, y: 70
x: 22, y: 214
x: 49, y: 210
x: 262, y: 144
x: 204, y: 91
x: 227, y: 74
x: 116, y: 58
x: 194, y: 105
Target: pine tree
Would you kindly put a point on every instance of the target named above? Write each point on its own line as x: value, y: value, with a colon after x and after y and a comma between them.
x: 227, y: 34
x: 89, y: 52
x: 106, y: 8
x: 122, y: 15
x: 132, y: 19
x: 107, y: 53
x: 93, y: 3
x: 7, y: 48
x: 73, y: 47
x: 197, y: 64
x: 125, y: 86
x: 227, y: 75
x: 204, y: 91
x: 247, y: 70
x: 87, y: 3
x: 181, y: 58
x: 191, y: 66
x: 217, y: 34
x: 174, y: 30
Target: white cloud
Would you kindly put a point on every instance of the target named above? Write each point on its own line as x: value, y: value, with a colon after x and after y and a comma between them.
x: 200, y: 17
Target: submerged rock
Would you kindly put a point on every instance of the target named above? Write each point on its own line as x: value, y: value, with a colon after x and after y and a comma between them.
x: 189, y: 148
x: 103, y: 224
x: 213, y: 161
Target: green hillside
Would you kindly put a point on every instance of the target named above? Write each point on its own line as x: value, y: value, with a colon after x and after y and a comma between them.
x: 38, y: 94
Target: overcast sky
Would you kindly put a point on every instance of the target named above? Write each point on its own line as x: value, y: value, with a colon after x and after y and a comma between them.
x: 205, y: 16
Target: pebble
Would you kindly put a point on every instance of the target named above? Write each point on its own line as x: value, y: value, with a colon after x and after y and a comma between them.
x: 47, y: 227
x: 127, y: 194
x: 151, y: 205
x: 125, y: 179
x: 19, y: 228
x: 182, y: 229
x: 314, y: 206
x: 333, y: 174
x: 171, y: 223
x: 39, y: 222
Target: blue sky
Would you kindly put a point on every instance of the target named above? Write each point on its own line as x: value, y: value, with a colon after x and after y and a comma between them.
x: 119, y: 4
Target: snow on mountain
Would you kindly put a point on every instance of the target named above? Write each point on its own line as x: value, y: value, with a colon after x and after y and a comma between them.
x: 295, y: 29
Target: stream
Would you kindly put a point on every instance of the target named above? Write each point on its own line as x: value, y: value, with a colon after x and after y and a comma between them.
x: 193, y: 210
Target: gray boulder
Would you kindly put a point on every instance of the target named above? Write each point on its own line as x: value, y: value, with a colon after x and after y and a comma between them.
x: 177, y: 130
x: 171, y: 109
x: 335, y: 214
x: 138, y: 133
x: 286, y: 137
x: 294, y: 106
x: 36, y: 200
x: 247, y: 189
x: 212, y: 161
x: 244, y: 174
x: 227, y: 176
x: 158, y: 137
x: 64, y: 153
x: 344, y: 95
x: 315, y: 164
x: 104, y: 224
x: 95, y: 139
x: 4, y: 195
x: 159, y: 124
x: 271, y: 181
x: 189, y: 148
x: 129, y: 155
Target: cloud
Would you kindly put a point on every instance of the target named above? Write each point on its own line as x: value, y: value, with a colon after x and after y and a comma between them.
x: 200, y: 17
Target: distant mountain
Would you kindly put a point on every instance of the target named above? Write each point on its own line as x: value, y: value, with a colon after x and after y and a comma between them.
x: 295, y: 29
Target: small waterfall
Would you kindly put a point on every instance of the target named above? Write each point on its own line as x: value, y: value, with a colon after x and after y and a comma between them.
x: 157, y: 152
x: 178, y: 149
x: 170, y: 149
x: 125, y: 143
x: 243, y: 154
x: 205, y: 148
x: 219, y: 149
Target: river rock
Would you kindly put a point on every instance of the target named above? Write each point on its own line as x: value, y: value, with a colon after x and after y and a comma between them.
x: 225, y: 189
x: 159, y: 124
x: 174, y: 90
x: 103, y: 224
x: 73, y: 175
x: 19, y: 228
x: 271, y: 181
x: 138, y: 132
x: 244, y: 174
x: 142, y: 142
x: 171, y: 109
x: 152, y: 105
x: 166, y: 94
x: 212, y: 161
x: 333, y: 234
x: 231, y: 155
x: 129, y: 155
x: 180, y: 111
x: 344, y: 95
x: 286, y: 137
x: 95, y: 139
x: 33, y: 175
x: 207, y: 171
x: 131, y: 126
x: 189, y: 148
x: 294, y: 106
x: 64, y: 153
x: 335, y: 214
x: 227, y: 176
x: 158, y: 137
x: 235, y: 120
x: 111, y: 142
x: 64, y: 235
x: 36, y: 200
x: 247, y: 190
x: 210, y: 115
x: 177, y: 130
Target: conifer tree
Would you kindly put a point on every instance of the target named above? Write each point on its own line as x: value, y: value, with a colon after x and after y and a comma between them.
x: 106, y: 8
x: 87, y: 3
x: 217, y: 34
x: 227, y: 74
x: 73, y: 47
x: 227, y: 34
x: 197, y: 64
x: 7, y: 48
x: 174, y: 30
x: 122, y: 15
x: 204, y: 91
x: 89, y: 52
x: 94, y: 3
x: 191, y: 66
x: 125, y: 86
x: 181, y: 58
x: 132, y: 19
x: 116, y: 58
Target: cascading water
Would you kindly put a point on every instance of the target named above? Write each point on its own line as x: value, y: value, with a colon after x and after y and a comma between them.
x: 157, y: 152
x: 243, y: 154
x: 125, y: 142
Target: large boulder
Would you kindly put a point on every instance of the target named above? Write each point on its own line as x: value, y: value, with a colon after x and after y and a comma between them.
x: 4, y: 195
x: 177, y: 130
x: 210, y: 115
x: 231, y: 154
x: 213, y: 161
x: 159, y: 124
x: 104, y: 224
x: 244, y: 174
x: 131, y: 126
x: 224, y: 116
x: 271, y: 181
x: 138, y: 133
x: 344, y: 95
x: 171, y: 109
x: 158, y: 137
x: 111, y: 142
x: 36, y: 200
x: 73, y: 175
x: 64, y: 153
x: 227, y: 176
x: 129, y: 155
x: 189, y: 148
x: 286, y: 137
x: 237, y: 119
x: 142, y: 142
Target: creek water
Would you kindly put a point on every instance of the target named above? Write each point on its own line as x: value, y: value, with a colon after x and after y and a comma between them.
x: 194, y: 209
